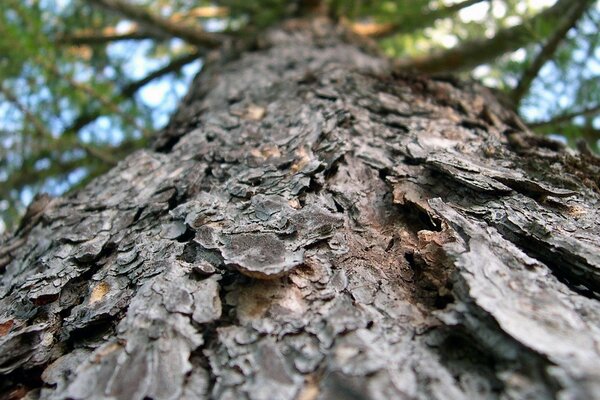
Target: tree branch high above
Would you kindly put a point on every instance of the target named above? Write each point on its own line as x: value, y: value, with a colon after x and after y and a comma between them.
x: 472, y: 53
x: 191, y: 34
x: 565, y: 24
x: 411, y: 23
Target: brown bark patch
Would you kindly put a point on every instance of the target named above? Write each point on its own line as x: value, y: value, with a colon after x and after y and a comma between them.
x: 6, y: 326
x: 98, y: 293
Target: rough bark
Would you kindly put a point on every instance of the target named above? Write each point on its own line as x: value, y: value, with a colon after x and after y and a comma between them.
x: 312, y: 226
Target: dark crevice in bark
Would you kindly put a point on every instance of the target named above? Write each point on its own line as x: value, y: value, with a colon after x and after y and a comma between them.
x: 464, y: 358
x: 19, y: 383
x: 195, y: 253
x: 414, y: 215
x: 432, y: 286
x: 187, y: 236
x: 210, y: 332
x: 467, y: 356
x: 92, y: 333
x: 489, y: 341
x: 571, y: 269
x: 167, y: 143
x: 418, y: 219
x: 137, y: 215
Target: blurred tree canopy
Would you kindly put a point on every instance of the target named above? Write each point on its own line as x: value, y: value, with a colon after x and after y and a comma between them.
x: 85, y: 82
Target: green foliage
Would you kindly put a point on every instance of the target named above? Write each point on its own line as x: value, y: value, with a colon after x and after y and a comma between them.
x: 74, y: 101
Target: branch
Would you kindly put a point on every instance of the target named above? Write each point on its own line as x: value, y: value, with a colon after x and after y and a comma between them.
x: 129, y: 90
x: 202, y: 12
x: 100, y: 38
x: 175, y: 65
x: 475, y: 52
x: 28, y: 115
x: 44, y: 134
x: 568, y: 21
x: 83, y: 120
x: 586, y: 112
x: 96, y: 152
x: 409, y: 23
x: 190, y: 34
x: 27, y: 175
x: 109, y: 34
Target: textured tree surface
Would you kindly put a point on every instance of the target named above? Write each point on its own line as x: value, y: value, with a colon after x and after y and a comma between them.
x: 313, y: 226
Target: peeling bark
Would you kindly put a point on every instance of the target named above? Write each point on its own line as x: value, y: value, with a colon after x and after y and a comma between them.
x: 313, y: 226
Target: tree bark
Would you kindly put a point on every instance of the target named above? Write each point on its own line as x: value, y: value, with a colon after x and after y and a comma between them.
x: 311, y: 225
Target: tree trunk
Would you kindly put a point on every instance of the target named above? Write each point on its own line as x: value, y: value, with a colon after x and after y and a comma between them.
x: 313, y: 226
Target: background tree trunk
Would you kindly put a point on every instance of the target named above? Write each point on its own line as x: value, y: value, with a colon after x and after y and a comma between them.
x: 311, y: 225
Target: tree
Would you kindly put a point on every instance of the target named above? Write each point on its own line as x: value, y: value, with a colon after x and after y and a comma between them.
x: 80, y: 77
x: 313, y: 224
